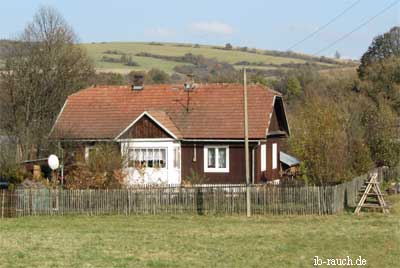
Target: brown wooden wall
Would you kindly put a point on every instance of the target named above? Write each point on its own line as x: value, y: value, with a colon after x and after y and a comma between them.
x: 145, y: 128
x: 237, y: 170
x: 274, y: 124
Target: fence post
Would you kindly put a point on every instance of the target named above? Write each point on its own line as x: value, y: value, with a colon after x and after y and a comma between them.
x: 2, y: 204
x: 319, y: 200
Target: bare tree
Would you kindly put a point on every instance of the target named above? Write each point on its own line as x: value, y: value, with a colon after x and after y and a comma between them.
x: 42, y: 67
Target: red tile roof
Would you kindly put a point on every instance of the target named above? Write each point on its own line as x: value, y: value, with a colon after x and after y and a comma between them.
x: 212, y: 111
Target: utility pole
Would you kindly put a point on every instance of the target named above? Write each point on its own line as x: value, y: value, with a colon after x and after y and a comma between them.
x: 246, y: 144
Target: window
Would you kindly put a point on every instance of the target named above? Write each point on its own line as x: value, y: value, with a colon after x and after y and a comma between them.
x: 177, y: 157
x: 147, y: 157
x: 216, y: 159
x: 274, y: 156
x: 89, y: 152
x: 263, y: 157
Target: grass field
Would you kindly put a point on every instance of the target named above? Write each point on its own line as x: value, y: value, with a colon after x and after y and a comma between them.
x: 199, y: 241
x: 96, y: 51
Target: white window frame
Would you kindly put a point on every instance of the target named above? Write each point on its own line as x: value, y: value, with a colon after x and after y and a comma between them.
x: 147, y: 148
x: 88, y: 148
x: 263, y: 157
x: 274, y: 156
x: 177, y: 154
x: 216, y: 169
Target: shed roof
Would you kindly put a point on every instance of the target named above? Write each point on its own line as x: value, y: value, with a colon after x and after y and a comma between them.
x: 288, y: 159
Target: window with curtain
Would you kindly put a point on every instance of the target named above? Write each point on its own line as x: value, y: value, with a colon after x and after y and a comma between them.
x: 216, y: 159
x: 147, y: 157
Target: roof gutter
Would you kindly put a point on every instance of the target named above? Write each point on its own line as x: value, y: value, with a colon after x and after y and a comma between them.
x: 219, y: 140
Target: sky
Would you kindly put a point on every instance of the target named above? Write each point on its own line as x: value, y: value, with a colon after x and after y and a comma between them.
x: 276, y: 25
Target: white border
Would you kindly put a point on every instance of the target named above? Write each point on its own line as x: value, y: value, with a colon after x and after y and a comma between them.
x: 274, y: 155
x: 263, y: 157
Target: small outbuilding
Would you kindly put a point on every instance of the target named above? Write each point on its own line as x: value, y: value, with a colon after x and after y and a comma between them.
x: 290, y: 165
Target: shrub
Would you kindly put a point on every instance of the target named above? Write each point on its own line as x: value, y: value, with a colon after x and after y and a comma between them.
x: 103, y: 169
x: 228, y: 46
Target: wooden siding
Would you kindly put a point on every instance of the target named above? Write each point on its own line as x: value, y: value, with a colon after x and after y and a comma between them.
x: 273, y: 174
x: 145, y: 128
x: 269, y: 174
x: 278, y: 123
x: 274, y: 124
x: 236, y: 172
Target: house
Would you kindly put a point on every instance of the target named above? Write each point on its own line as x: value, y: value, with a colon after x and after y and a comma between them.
x: 170, y: 132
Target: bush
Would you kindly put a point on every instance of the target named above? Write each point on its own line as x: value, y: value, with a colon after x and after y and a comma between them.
x: 156, y: 76
x: 103, y: 169
x: 228, y: 46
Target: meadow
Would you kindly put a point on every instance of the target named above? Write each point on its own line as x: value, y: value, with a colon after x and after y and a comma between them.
x: 96, y: 52
x: 199, y: 241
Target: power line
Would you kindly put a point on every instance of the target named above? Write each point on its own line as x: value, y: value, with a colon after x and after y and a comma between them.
x: 325, y: 25
x: 358, y: 27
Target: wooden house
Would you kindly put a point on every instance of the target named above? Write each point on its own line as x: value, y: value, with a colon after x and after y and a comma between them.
x: 170, y: 132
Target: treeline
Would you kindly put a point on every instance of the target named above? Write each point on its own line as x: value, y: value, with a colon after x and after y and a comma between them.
x: 345, y: 123
x: 291, y: 65
x: 124, y: 58
x: 153, y: 76
x: 288, y: 54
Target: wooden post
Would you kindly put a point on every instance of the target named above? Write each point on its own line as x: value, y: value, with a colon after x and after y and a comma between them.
x: 2, y: 204
x: 246, y: 144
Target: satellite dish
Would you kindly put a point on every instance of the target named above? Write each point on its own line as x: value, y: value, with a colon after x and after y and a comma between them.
x: 53, y: 162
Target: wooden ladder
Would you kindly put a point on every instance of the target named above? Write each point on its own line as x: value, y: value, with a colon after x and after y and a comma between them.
x: 372, y: 190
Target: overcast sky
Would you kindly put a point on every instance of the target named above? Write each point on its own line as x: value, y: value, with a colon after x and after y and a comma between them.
x: 265, y: 24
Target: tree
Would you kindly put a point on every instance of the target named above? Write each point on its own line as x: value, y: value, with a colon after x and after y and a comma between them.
x: 337, y: 55
x: 382, y: 47
x: 156, y: 76
x: 42, y: 67
x: 382, y: 135
x: 228, y: 46
x: 319, y: 137
x: 293, y: 87
x: 108, y: 79
x: 382, y: 80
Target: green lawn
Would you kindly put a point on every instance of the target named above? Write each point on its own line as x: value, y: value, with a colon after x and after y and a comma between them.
x: 199, y: 241
x: 96, y: 50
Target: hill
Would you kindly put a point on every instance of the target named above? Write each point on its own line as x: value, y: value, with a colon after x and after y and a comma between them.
x: 123, y: 57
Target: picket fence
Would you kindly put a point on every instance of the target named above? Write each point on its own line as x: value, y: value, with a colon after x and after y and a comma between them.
x: 198, y: 199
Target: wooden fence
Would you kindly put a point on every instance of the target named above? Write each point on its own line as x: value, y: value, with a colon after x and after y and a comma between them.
x: 209, y: 199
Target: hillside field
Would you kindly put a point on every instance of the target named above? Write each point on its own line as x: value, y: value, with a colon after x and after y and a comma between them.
x: 97, y: 50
